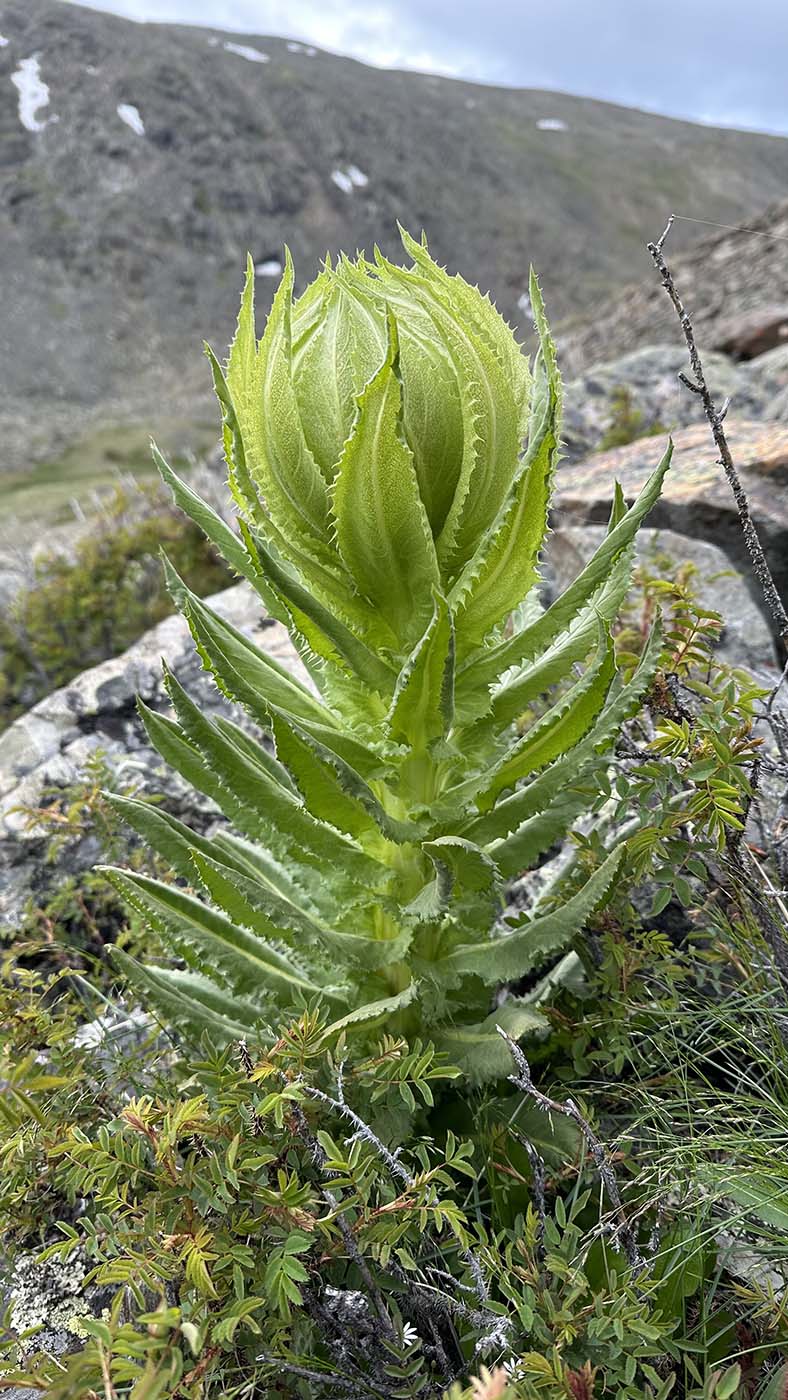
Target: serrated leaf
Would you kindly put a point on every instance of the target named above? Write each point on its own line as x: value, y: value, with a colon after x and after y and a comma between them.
x: 167, y: 836
x: 188, y: 999
x: 259, y: 806
x: 509, y: 814
x: 373, y: 1011
x: 493, y: 378
x: 317, y: 621
x: 506, y: 958
x: 556, y: 662
x: 462, y: 871
x: 239, y: 480
x: 258, y: 754
x: 276, y: 453
x: 469, y: 865
x: 477, y: 310
x: 256, y: 906
x: 261, y: 908
x: 504, y: 567
x: 491, y: 433
x: 207, y: 938
x: 533, y: 640
x: 560, y: 728
x: 479, y: 1050
x: 244, y: 671
x: 229, y: 545
x: 334, y: 353
x: 423, y: 705
x: 333, y: 791
x: 382, y: 530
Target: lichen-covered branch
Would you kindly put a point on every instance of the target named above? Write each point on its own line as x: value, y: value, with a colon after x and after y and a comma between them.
x: 522, y: 1080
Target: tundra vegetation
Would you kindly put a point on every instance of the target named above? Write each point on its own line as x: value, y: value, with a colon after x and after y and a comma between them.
x: 451, y: 1061
x: 79, y: 607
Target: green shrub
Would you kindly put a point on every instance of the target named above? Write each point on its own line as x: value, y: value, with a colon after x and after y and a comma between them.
x: 76, y: 914
x: 627, y: 423
x: 80, y: 610
x: 259, y: 1234
x: 389, y: 519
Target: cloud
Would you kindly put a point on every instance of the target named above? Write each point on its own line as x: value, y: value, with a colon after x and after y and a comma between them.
x: 717, y: 60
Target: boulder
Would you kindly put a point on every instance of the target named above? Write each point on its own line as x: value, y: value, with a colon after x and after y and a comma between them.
x: 751, y: 333
x: 654, y: 394
x: 758, y: 389
x: 696, y: 500
x: 746, y: 639
x: 48, y: 746
x: 53, y: 1298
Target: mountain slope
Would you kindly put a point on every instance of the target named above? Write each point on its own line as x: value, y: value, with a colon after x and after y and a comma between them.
x: 140, y: 162
x: 727, y: 277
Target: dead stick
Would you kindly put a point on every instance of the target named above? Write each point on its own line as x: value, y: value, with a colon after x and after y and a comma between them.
x: 715, y: 418
x: 523, y: 1081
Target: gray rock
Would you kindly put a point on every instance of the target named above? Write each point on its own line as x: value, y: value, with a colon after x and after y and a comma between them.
x: 696, y: 499
x: 53, y: 1298
x: 95, y: 712
x: 731, y: 274
x: 746, y: 639
x: 650, y: 377
x: 758, y: 389
x: 749, y: 334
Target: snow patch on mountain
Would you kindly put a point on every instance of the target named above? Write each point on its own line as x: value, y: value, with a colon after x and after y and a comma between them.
x: 33, y: 93
x: 131, y: 116
x: 349, y: 179
x: 246, y: 51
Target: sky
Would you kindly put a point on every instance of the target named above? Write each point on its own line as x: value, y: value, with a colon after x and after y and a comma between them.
x: 718, y: 61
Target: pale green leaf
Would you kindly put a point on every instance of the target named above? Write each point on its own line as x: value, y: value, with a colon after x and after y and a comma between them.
x: 423, y: 703
x: 561, y: 727
x: 342, y: 641
x: 533, y: 640
x: 188, y: 999
x: 478, y: 1049
x: 261, y: 390
x: 373, y: 1012
x: 514, y: 954
x: 207, y: 939
x: 333, y: 791
x: 382, y: 530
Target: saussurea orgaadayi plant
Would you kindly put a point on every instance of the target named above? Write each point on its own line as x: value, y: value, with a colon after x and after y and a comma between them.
x: 391, y: 517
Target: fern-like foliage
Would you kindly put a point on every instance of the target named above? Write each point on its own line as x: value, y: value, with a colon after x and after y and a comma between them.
x: 391, y: 518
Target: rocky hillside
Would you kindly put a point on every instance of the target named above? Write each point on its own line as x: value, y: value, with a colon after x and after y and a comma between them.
x: 735, y: 284
x: 141, y: 161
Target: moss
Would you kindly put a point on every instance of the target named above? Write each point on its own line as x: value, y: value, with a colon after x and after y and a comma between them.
x: 627, y: 423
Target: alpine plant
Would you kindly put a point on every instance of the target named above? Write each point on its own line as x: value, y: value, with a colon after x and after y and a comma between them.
x: 391, y: 456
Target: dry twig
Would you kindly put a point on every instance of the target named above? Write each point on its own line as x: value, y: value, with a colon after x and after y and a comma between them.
x: 523, y: 1081
x: 715, y: 418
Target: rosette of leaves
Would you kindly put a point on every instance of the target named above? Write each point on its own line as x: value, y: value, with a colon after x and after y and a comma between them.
x: 391, y: 455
